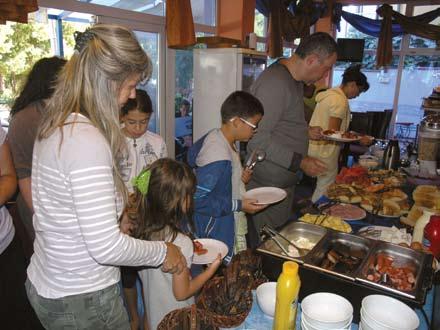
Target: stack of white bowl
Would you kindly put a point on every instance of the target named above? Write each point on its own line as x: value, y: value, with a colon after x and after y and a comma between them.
x: 381, y: 312
x: 324, y: 311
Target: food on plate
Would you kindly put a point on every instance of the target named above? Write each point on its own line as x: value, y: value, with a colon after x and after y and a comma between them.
x: 427, y: 196
x: 301, y: 242
x: 342, y: 258
x: 345, y: 193
x: 356, y: 174
x: 328, y: 221
x: 392, y: 203
x: 328, y: 132
x: 375, y: 188
x: 413, y: 215
x: 350, y: 135
x: 389, y: 178
x: 385, y: 270
x: 346, y: 211
x: 199, y: 249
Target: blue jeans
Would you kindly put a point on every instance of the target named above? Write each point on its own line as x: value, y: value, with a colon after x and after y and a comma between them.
x: 97, y: 310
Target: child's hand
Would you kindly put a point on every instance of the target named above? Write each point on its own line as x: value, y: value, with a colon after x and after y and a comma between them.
x: 126, y: 226
x: 215, y: 264
x: 248, y: 206
x: 246, y: 175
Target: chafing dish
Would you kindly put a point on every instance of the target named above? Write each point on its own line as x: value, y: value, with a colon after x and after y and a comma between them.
x: 294, y: 231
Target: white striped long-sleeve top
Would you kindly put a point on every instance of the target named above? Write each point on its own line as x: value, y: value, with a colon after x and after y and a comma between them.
x: 78, y: 244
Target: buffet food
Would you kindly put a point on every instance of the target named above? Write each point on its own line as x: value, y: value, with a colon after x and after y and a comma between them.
x: 357, y: 175
x: 302, y: 243
x: 391, y: 203
x: 340, y: 135
x: 198, y: 248
x: 385, y: 270
x: 342, y: 258
x: 328, y: 221
x: 346, y: 211
x: 389, y: 178
x: 427, y: 196
x: 345, y: 193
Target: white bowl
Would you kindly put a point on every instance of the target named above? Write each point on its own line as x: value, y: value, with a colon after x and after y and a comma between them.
x: 309, y: 326
x: 369, y: 323
x: 326, y: 310
x: 388, y: 313
x: 266, y: 297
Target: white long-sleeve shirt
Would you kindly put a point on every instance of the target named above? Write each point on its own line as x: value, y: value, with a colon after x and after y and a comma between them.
x: 78, y: 243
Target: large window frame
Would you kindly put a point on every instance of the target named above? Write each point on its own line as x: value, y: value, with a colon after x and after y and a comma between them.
x: 405, y: 50
x: 146, y: 23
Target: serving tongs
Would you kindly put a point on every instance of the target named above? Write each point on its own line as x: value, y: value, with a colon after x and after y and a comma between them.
x: 274, y: 235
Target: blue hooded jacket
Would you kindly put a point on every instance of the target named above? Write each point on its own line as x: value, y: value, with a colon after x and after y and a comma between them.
x: 214, y: 206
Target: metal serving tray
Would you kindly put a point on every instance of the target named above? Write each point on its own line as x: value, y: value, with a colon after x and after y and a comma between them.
x: 356, y: 245
x: 419, y: 261
x: 293, y: 231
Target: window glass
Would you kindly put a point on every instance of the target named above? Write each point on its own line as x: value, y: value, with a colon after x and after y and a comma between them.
x: 204, y: 11
x: 380, y: 95
x: 259, y: 24
x: 418, y: 42
x: 348, y: 31
x: 150, y: 43
x: 420, y: 75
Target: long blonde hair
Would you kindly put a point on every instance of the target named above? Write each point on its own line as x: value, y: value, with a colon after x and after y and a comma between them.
x: 90, y: 83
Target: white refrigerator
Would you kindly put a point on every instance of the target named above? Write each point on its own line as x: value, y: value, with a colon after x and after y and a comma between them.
x: 217, y: 73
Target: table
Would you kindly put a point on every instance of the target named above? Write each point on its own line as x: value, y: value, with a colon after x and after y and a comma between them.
x: 256, y: 320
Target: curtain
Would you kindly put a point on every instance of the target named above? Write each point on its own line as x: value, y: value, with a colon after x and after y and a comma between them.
x: 179, y: 24
x: 409, y: 25
x: 288, y: 20
x: 16, y: 10
x: 371, y: 27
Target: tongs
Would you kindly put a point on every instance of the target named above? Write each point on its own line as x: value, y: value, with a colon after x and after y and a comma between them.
x: 274, y: 235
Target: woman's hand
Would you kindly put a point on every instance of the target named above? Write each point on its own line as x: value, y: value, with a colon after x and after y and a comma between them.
x: 127, y: 225
x: 174, y: 261
x: 246, y: 175
x: 249, y: 206
x: 315, y: 133
x: 366, y: 140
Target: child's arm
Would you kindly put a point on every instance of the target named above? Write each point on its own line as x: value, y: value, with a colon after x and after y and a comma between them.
x: 185, y: 287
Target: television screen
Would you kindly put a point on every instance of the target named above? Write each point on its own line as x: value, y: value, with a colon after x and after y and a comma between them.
x: 350, y: 50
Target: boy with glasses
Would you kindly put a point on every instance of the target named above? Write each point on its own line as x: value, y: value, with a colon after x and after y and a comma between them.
x: 219, y: 209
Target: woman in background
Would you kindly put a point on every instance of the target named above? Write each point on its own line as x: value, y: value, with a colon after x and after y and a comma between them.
x: 332, y: 112
x: 26, y: 115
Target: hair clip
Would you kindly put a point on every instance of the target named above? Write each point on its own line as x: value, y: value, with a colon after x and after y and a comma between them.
x: 82, y: 39
x: 142, y: 181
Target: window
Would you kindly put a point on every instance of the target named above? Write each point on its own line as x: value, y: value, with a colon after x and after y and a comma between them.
x: 204, y: 11
x: 260, y: 24
x: 380, y: 96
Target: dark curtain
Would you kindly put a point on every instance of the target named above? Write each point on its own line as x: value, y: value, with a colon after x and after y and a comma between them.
x: 371, y: 27
x: 16, y: 10
x: 288, y: 20
x: 409, y: 25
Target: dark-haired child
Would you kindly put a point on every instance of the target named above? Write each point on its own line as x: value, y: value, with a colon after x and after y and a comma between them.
x: 219, y: 207
x: 163, y: 207
x: 142, y: 149
x: 332, y: 112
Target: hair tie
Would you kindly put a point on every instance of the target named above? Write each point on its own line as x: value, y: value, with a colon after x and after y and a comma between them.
x: 142, y: 181
x: 82, y: 39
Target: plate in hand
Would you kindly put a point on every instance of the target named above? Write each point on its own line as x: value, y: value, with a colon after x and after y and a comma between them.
x: 213, y: 247
x: 266, y: 195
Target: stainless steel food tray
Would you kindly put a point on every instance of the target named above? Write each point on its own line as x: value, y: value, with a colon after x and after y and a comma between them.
x: 293, y: 231
x: 419, y: 261
x: 356, y: 245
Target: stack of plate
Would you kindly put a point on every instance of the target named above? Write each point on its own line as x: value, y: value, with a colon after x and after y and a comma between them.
x: 323, y: 310
x: 380, y: 312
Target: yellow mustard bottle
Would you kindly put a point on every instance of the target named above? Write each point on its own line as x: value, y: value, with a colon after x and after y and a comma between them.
x: 287, y: 297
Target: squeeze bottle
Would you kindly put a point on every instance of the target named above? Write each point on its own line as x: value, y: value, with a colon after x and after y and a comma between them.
x: 287, y: 297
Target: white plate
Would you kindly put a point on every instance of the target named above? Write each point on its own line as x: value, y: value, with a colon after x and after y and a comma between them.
x: 214, y: 247
x: 364, y: 213
x: 337, y: 137
x: 266, y: 195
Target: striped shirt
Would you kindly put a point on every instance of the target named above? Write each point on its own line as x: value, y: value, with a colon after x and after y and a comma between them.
x: 78, y: 243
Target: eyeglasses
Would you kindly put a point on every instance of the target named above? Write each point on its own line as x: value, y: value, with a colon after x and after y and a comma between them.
x: 254, y: 127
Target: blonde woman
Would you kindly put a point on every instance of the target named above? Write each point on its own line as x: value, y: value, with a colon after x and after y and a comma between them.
x: 78, y: 193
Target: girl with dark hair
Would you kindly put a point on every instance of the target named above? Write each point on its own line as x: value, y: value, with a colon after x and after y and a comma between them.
x: 163, y: 207
x: 332, y: 112
x: 25, y: 117
x: 142, y: 149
